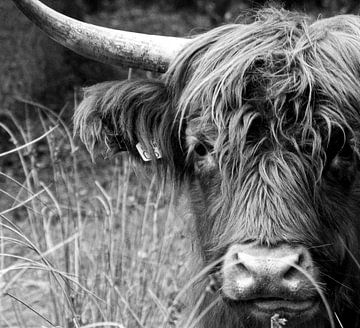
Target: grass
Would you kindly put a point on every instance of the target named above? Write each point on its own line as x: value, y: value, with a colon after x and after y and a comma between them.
x: 83, y: 245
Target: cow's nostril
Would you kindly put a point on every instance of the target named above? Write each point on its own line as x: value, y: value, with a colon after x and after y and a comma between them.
x: 301, y: 259
x: 288, y: 266
x: 291, y: 273
x: 241, y: 267
x: 295, y: 267
x: 238, y: 262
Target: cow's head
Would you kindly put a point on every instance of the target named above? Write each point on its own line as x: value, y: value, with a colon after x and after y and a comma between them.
x: 260, y: 123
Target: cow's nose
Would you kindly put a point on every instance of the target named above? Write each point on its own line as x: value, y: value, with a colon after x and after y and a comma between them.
x: 256, y: 271
x: 278, y: 268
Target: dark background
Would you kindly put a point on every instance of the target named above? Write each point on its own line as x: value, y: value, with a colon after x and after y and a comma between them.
x: 34, y: 67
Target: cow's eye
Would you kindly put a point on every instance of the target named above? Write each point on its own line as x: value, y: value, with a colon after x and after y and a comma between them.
x: 343, y: 165
x: 200, y: 149
x: 339, y: 146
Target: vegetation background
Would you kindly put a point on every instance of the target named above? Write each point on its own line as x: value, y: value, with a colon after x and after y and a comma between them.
x: 87, y: 244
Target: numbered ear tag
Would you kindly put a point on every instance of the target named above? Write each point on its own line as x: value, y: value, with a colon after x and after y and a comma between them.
x: 145, y: 154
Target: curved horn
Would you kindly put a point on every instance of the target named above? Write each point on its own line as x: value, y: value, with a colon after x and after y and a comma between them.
x: 137, y: 50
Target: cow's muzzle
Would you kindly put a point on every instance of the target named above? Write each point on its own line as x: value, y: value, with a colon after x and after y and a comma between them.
x: 273, y: 280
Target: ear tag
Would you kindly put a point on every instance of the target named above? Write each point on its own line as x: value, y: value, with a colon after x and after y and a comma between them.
x: 145, y: 155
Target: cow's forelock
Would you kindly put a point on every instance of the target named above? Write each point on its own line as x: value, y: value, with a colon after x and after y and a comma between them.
x: 271, y: 201
x: 265, y: 99
x: 280, y: 80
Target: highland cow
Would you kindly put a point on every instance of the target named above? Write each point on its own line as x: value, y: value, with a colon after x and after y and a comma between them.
x: 260, y: 125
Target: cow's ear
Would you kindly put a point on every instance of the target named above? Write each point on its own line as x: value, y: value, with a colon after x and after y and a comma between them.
x: 135, y: 116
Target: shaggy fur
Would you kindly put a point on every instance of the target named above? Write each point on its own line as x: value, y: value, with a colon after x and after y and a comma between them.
x: 260, y: 123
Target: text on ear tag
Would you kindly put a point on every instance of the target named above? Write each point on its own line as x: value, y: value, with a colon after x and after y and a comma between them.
x: 145, y: 154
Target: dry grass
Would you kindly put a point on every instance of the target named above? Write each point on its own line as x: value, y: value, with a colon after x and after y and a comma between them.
x: 83, y: 245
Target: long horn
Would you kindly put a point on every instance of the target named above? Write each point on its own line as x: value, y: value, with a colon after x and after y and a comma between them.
x: 116, y: 47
